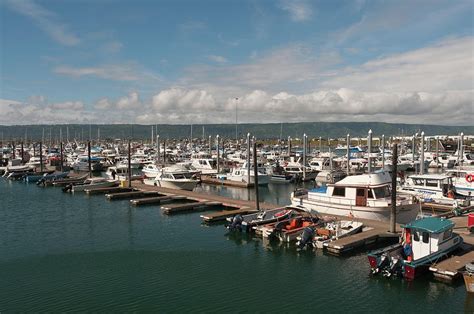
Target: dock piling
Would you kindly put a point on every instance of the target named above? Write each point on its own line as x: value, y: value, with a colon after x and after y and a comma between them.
x: 255, y: 172
x: 393, y: 212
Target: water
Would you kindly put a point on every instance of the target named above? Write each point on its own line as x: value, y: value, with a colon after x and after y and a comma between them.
x: 62, y: 252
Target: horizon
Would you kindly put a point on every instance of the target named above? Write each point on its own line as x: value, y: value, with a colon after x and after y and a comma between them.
x: 248, y: 61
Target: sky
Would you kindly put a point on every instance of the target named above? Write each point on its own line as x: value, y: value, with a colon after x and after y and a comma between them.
x: 184, y: 61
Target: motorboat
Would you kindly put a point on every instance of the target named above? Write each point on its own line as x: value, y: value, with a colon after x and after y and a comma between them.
x: 120, y: 173
x: 176, y: 178
x: 433, y: 188
x: 151, y: 170
x: 241, y: 174
x: 82, y: 163
x: 366, y: 196
x: 424, y: 241
x: 247, y: 222
x: 95, y: 182
x: 463, y: 180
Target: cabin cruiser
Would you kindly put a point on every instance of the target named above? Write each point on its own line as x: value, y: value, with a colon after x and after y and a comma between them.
x: 241, y: 174
x: 82, y: 163
x: 205, y: 165
x: 151, y: 170
x: 120, y: 173
x: 176, y: 178
x: 437, y: 188
x: 463, y: 180
x: 424, y: 241
x: 365, y: 196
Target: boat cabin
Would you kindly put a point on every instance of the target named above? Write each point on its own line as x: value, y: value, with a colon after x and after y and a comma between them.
x: 429, y: 182
x: 427, y: 236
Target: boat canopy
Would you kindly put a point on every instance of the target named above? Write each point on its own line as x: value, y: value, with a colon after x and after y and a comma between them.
x: 430, y: 224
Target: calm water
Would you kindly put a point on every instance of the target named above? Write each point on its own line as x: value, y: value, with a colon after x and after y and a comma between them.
x: 63, y: 252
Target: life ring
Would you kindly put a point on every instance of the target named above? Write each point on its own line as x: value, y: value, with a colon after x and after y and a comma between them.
x: 469, y: 178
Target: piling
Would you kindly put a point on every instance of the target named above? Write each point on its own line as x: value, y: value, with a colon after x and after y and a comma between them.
x: 13, y: 150
x: 22, y: 153
x: 210, y: 145
x: 461, y: 148
x: 413, y: 140
x: 393, y: 212
x: 89, y: 158
x: 218, y: 154
x: 41, y: 156
x: 348, y: 140
x: 129, y: 165
x: 255, y: 172
x: 158, y: 147
x: 383, y: 152
x: 369, y: 144
x: 304, y: 156
x: 248, y: 158
x: 437, y: 151
x: 422, y: 153
x: 61, y: 157
x: 289, y: 146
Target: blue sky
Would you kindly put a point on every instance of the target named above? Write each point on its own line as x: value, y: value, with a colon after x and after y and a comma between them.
x: 195, y: 61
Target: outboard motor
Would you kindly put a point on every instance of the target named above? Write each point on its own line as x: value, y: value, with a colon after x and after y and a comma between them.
x: 236, y: 223
x: 382, y: 264
x: 393, y: 268
x: 306, y: 238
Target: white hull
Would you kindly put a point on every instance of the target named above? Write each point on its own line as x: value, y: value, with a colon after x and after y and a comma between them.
x: 405, y: 213
x: 179, y: 185
x: 262, y: 179
x: 81, y: 188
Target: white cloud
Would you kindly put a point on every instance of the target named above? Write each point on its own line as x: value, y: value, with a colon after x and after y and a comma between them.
x: 103, y: 103
x: 113, y: 72
x: 299, y: 10
x: 218, y: 59
x: 45, y: 19
x: 177, y: 99
x: 130, y: 101
x: 68, y: 105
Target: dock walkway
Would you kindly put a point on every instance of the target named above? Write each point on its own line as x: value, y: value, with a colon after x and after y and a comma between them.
x: 449, y: 269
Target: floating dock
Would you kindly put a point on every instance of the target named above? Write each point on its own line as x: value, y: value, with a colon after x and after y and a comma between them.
x: 222, y: 215
x: 449, y: 269
x: 157, y: 200
x: 130, y: 195
x: 366, y: 237
x: 193, y: 206
x: 107, y: 190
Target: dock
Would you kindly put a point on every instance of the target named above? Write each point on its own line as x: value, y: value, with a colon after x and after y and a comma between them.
x: 116, y: 189
x: 215, y: 181
x: 222, y: 215
x: 449, y: 269
x: 193, y: 206
x: 157, y: 200
x: 366, y: 237
x: 130, y: 195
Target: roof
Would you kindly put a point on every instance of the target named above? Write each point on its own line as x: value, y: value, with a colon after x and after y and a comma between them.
x: 430, y: 224
x: 363, y: 180
x: 429, y: 176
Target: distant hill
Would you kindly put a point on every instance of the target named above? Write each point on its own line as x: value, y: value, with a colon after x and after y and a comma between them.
x: 264, y: 130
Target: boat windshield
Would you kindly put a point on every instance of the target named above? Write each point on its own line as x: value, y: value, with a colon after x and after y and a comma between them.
x: 382, y: 192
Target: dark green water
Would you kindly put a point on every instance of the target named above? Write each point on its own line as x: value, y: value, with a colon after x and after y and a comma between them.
x: 61, y: 252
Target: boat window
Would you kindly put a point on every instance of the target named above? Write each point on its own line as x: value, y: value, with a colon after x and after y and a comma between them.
x: 416, y: 237
x: 382, y: 192
x: 447, y: 234
x: 432, y: 183
x: 338, y: 191
x: 426, y: 237
x: 418, y: 182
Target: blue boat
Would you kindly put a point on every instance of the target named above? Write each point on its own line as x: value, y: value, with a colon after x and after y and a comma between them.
x: 423, y: 242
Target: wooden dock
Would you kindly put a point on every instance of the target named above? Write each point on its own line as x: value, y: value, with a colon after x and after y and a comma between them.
x: 216, y: 181
x: 193, y: 206
x: 362, y: 239
x: 116, y: 189
x: 131, y: 195
x: 222, y: 215
x: 157, y: 200
x: 449, y: 269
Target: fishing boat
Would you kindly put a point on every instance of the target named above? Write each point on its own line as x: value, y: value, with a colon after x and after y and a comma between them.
x: 366, y: 196
x: 176, y: 178
x: 247, y: 222
x: 96, y: 182
x: 423, y: 242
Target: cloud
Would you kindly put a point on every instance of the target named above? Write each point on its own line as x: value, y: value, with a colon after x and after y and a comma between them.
x: 112, y: 72
x: 68, y: 105
x: 299, y: 10
x: 46, y: 20
x: 129, y: 102
x: 218, y: 59
x: 102, y: 104
x: 177, y: 99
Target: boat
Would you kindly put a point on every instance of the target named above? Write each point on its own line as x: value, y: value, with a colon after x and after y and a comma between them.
x: 176, y: 178
x: 463, y: 180
x: 247, y: 222
x: 241, y: 174
x: 336, y: 230
x: 82, y: 163
x: 151, y: 170
x: 120, y: 173
x: 434, y: 188
x: 423, y: 242
x: 468, y: 275
x: 96, y: 182
x: 290, y: 230
x: 45, y: 176
x: 365, y: 196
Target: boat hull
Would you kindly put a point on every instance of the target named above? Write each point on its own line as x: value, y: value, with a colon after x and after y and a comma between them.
x: 81, y: 188
x: 405, y: 213
x: 178, y: 185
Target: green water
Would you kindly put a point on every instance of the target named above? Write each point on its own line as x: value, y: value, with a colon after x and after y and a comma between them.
x: 62, y: 252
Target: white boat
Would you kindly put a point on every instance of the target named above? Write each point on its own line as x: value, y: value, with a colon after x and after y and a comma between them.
x: 436, y: 188
x: 120, y: 173
x: 366, y: 196
x: 241, y: 174
x: 96, y: 182
x: 151, y: 170
x: 176, y: 178
x: 205, y: 165
x: 337, y: 229
x: 463, y: 180
x: 82, y: 163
